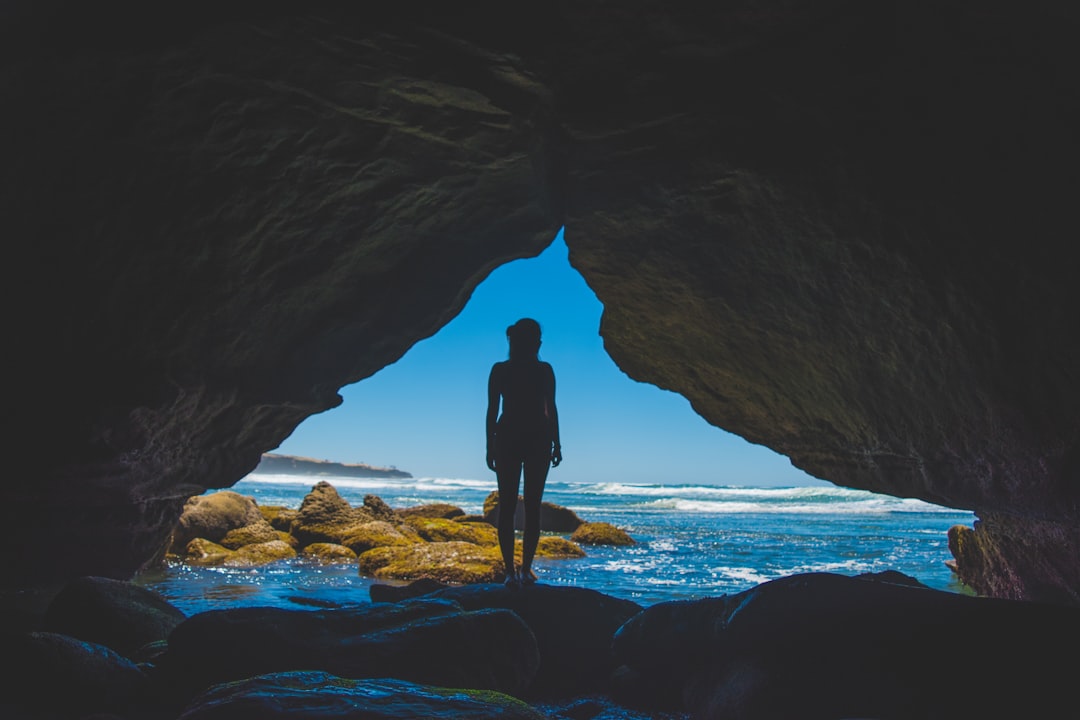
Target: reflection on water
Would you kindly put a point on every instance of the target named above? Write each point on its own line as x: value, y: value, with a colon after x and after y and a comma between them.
x: 230, y: 592
x: 296, y: 583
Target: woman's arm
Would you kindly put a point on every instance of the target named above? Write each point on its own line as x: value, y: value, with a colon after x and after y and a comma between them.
x: 492, y: 417
x: 553, y: 413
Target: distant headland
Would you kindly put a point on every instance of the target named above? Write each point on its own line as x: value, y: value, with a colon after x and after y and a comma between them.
x: 272, y: 464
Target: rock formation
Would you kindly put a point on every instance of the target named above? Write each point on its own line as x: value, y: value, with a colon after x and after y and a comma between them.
x: 841, y: 230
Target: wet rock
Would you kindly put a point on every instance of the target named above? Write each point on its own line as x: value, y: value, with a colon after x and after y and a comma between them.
x: 573, y: 627
x: 321, y: 696
x: 51, y: 675
x: 119, y: 615
x: 434, y: 529
x: 826, y: 646
x: 329, y: 553
x: 379, y: 533
x: 553, y: 518
x: 431, y: 510
x: 212, y: 517
x: 601, y: 533
x: 325, y: 516
x: 456, y: 562
x: 422, y: 640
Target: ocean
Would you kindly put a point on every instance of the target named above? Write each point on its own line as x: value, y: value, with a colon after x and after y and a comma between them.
x: 692, y: 541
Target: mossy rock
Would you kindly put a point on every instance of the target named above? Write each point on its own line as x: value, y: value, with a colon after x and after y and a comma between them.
x: 288, y: 538
x: 280, y: 517
x: 258, y: 532
x: 260, y: 554
x: 325, y: 516
x: 553, y: 518
x: 601, y: 533
x: 448, y: 562
x: 558, y: 547
x: 380, y: 533
x: 445, y: 530
x: 432, y: 510
x: 378, y: 509
x: 201, y: 551
x: 328, y: 553
x: 212, y: 516
x: 470, y: 518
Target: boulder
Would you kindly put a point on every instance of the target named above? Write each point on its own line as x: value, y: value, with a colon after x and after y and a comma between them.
x: 257, y: 532
x: 573, y: 627
x: 325, y: 516
x: 311, y: 695
x: 119, y: 615
x: 821, y: 645
x: 280, y: 517
x: 600, y: 533
x: 260, y: 554
x: 395, y: 592
x: 328, y: 553
x: 422, y: 640
x: 553, y: 518
x: 437, y: 529
x: 448, y: 562
x: 432, y: 510
x: 379, y: 533
x: 201, y: 551
x: 212, y: 516
x: 555, y: 547
x: 378, y: 509
x: 52, y: 675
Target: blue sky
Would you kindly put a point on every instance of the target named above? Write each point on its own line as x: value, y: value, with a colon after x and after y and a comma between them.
x: 425, y: 413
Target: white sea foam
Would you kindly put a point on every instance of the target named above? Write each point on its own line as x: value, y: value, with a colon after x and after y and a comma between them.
x: 867, y: 504
x: 337, y: 481
x: 846, y: 567
x: 740, y: 574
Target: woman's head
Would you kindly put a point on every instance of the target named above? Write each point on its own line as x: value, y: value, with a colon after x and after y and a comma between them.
x: 524, y: 338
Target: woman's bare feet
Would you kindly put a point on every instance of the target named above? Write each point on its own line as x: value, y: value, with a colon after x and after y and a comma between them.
x: 528, y: 577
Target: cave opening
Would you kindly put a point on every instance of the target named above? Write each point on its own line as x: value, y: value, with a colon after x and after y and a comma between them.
x: 708, y: 512
x: 424, y: 413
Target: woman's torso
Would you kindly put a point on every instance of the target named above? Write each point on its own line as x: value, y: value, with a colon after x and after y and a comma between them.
x: 526, y: 389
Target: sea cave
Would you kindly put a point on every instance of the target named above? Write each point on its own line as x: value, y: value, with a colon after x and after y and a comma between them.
x: 841, y: 230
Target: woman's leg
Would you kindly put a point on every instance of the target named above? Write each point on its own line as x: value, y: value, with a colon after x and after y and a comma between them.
x: 536, y: 470
x: 509, y: 475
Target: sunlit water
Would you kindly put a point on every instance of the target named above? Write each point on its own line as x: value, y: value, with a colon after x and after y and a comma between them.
x: 692, y: 541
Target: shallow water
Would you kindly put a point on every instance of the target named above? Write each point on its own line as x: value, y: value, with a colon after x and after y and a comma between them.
x: 692, y: 541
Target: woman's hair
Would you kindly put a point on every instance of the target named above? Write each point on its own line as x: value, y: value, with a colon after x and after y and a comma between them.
x: 524, y: 338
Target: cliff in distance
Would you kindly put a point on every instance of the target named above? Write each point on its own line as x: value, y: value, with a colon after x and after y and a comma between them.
x: 272, y: 464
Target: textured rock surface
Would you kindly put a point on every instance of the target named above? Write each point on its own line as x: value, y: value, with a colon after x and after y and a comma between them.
x: 839, y: 229
x: 819, y: 645
x: 322, y: 695
x: 420, y: 640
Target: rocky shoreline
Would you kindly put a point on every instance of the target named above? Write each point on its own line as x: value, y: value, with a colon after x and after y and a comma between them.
x: 436, y: 542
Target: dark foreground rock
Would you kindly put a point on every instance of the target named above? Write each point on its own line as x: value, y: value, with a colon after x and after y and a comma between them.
x: 425, y: 641
x: 311, y: 695
x: 50, y: 675
x: 829, y: 646
x: 811, y: 647
x: 573, y: 629
x: 120, y: 615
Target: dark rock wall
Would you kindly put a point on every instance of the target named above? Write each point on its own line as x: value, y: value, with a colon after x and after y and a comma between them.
x: 840, y: 229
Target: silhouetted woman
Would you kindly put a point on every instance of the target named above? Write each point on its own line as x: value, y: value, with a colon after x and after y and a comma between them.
x: 523, y: 439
